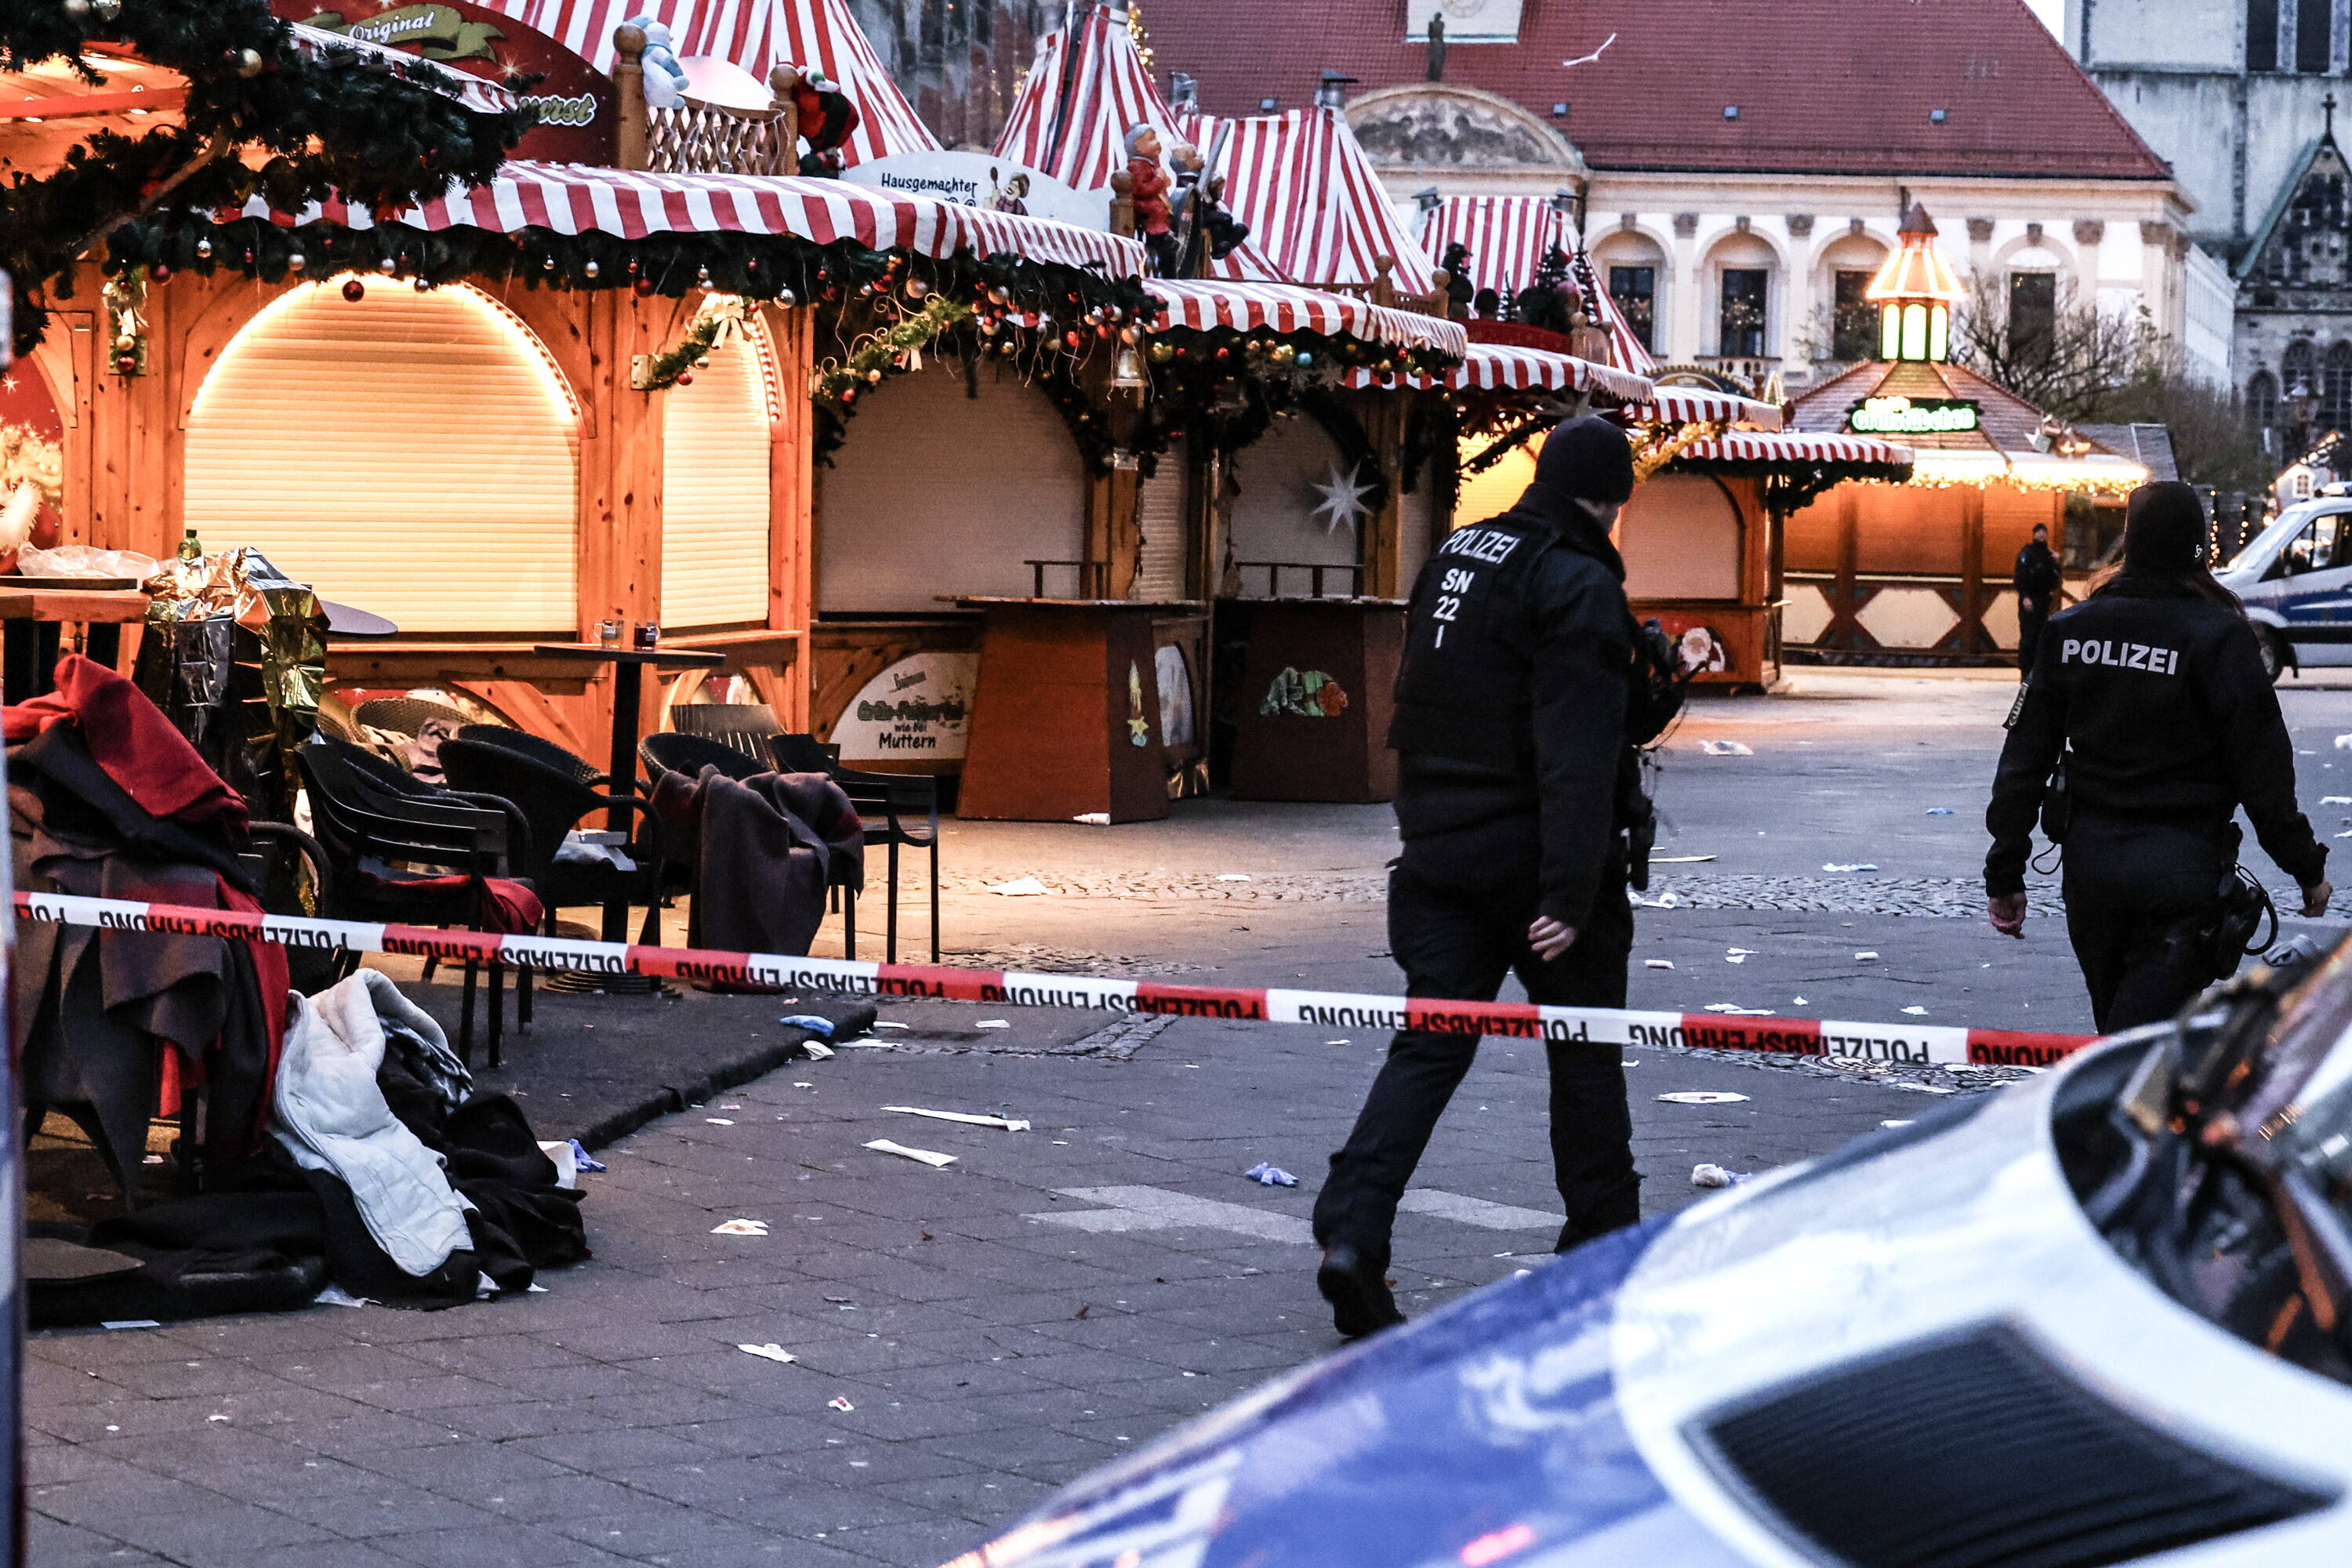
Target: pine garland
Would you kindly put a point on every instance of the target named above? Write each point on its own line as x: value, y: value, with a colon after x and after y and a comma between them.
x: 349, y: 124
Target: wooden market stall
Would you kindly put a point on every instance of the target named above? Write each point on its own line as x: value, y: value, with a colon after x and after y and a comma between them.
x: 1920, y: 573
x: 558, y: 407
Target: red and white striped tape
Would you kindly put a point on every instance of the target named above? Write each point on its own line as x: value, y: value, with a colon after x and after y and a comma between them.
x: 1010, y: 988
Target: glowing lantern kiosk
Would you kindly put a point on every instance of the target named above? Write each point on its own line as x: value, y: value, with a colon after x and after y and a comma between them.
x: 1917, y: 573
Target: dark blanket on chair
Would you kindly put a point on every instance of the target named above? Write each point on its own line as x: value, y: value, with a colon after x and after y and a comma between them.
x: 772, y: 848
x: 106, y: 799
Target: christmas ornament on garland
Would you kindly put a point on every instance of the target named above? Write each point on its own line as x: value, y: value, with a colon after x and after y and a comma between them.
x: 126, y: 322
x: 722, y: 319
x: 382, y: 135
x: 898, y: 346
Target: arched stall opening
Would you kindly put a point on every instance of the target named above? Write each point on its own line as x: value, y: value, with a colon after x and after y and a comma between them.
x: 414, y: 454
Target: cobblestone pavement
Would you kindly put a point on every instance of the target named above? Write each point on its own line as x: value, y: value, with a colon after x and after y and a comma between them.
x: 1057, y: 1296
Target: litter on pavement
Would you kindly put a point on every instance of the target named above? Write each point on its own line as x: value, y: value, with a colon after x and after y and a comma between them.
x: 336, y: 1296
x: 936, y: 1160
x: 1019, y: 887
x: 1657, y: 964
x: 967, y: 1118
x: 1940, y: 811
x: 994, y: 1024
x: 1232, y: 877
x: 818, y: 1052
x: 1267, y: 1176
x: 1890, y: 1126
x: 809, y: 1021
x: 1736, y: 1009
x: 839, y: 1403
x: 2335, y: 800
x: 1725, y: 749
x: 1916, y: 1012
x: 1702, y: 1097
x: 1093, y: 818
x: 583, y: 1160
x: 1678, y: 859
x: 720, y: 1120
x: 1717, y: 1176
x: 1865, y: 956
x: 1857, y: 865
x: 879, y: 1023
x: 131, y: 1323
x: 740, y: 1228
x: 2344, y: 743
x: 1734, y: 958
x: 769, y: 1352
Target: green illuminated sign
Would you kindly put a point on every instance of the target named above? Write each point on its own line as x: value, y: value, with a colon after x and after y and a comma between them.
x: 1913, y: 416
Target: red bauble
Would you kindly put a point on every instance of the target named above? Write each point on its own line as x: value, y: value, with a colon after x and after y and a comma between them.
x: 686, y: 378
x: 354, y: 290
x: 159, y: 272
x: 1103, y: 333
x: 1072, y: 339
x: 126, y: 362
x: 642, y: 287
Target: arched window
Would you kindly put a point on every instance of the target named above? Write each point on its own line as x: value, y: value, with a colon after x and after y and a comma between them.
x: 2299, y: 370
x: 2335, y: 388
x: 714, y: 492
x: 412, y: 454
x: 2261, y: 402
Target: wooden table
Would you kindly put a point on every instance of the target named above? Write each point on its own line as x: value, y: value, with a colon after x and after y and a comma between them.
x: 628, y: 691
x: 1318, y: 692
x: 1066, y: 721
x: 35, y: 612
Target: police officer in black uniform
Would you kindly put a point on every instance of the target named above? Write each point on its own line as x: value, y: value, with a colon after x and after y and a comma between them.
x: 2152, y: 692
x: 2037, y: 580
x: 1511, y: 719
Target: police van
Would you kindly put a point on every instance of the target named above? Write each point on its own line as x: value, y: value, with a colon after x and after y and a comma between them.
x: 2295, y: 579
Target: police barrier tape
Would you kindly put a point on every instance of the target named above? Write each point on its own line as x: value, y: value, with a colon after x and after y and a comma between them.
x: 1006, y: 988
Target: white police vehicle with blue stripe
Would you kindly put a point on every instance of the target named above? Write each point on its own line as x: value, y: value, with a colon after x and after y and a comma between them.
x: 2295, y: 579
x: 2101, y: 1316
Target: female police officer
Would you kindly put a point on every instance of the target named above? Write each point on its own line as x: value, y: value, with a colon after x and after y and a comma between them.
x: 2152, y: 695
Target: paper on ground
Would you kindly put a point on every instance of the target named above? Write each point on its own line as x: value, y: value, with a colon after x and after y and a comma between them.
x: 1725, y: 749
x: 1702, y: 1097
x: 994, y: 1024
x: 740, y: 1228
x: 937, y: 1161
x: 1093, y: 818
x: 1232, y: 877
x: 1857, y: 865
x: 769, y: 1352
x: 1865, y: 956
x: 1678, y: 859
x: 1019, y: 887
x: 336, y: 1296
x: 1917, y: 1012
x: 1736, y: 1009
x: 884, y: 1023
x: 1657, y: 964
x: 965, y: 1117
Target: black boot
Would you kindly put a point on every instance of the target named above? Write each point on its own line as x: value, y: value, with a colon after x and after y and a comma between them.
x: 1358, y: 1292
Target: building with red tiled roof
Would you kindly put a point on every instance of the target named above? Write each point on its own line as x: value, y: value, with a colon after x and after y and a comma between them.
x: 1740, y: 169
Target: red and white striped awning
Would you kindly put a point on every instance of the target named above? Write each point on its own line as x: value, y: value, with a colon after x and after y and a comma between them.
x: 1702, y: 405
x: 1075, y: 107
x: 480, y: 96
x: 1758, y: 446
x: 1206, y: 304
x: 1317, y: 211
x: 1508, y: 238
x: 1503, y: 367
x: 754, y: 34
x: 579, y: 198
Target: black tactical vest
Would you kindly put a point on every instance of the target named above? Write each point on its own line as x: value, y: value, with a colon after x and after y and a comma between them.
x: 1464, y: 690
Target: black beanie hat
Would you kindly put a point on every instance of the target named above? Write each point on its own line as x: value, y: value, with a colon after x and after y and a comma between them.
x: 1588, y: 459
x: 2163, y: 530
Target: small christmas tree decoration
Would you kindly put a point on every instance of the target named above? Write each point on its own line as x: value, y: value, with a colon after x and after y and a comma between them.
x: 385, y: 266
x: 203, y: 250
x: 354, y: 290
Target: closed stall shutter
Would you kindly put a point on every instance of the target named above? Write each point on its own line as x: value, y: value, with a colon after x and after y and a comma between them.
x: 937, y: 493
x: 715, y: 493
x: 1161, y: 514
x: 1417, y: 511
x: 1680, y: 536
x: 1273, y: 516
x: 410, y: 454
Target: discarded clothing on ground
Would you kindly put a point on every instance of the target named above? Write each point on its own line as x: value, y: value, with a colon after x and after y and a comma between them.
x: 106, y: 799
x: 769, y: 849
x: 384, y: 1173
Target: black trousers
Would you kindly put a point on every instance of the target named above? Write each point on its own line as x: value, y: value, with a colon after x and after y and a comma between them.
x: 2029, y: 639
x: 1459, y: 946
x: 2136, y: 893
